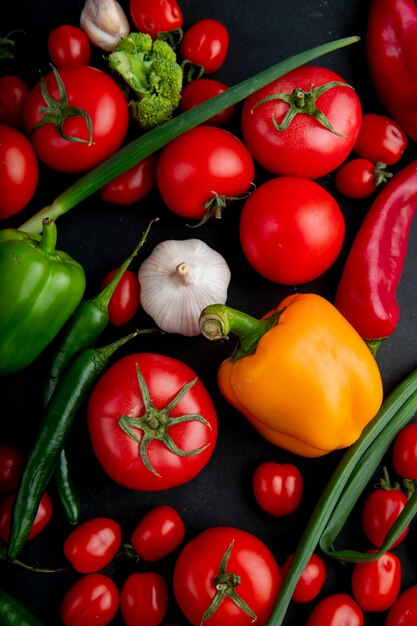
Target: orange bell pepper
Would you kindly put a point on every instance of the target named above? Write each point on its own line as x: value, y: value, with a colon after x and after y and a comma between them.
x: 301, y: 375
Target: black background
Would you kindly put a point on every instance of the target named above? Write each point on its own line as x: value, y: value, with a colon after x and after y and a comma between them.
x: 101, y: 236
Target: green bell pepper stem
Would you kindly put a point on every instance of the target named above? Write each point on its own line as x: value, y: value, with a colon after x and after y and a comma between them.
x: 49, y: 235
x: 155, y: 139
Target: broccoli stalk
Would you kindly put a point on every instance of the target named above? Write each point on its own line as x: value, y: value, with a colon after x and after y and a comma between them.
x: 154, y: 77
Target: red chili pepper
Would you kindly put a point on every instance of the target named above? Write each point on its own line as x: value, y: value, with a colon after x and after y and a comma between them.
x: 366, y: 294
x: 391, y: 44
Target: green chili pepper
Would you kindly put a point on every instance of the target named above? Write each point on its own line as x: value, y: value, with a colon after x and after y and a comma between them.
x: 40, y: 289
x: 14, y: 613
x: 67, y: 490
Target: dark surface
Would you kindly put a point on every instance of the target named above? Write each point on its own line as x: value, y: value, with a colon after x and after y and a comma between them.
x: 101, y: 236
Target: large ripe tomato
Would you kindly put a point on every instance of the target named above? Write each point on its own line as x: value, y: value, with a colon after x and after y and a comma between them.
x: 12, y: 463
x: 93, y: 544
x: 98, y: 95
x: 42, y: 519
x: 380, y: 510
x: 336, y: 610
x: 291, y: 230
x: 18, y: 171
x: 404, y: 452
x: 156, y: 16
x: 380, y: 139
x: 201, y: 170
x: 305, y: 147
x: 158, y: 533
x: 68, y: 44
x: 311, y: 580
x: 278, y: 487
x: 404, y: 610
x: 92, y: 599
x: 151, y: 443
x: 144, y: 599
x: 218, y: 562
x: 376, y: 584
x: 13, y: 92
x: 205, y: 45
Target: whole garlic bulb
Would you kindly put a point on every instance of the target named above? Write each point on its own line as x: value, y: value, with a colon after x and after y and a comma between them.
x: 178, y: 280
x: 104, y: 23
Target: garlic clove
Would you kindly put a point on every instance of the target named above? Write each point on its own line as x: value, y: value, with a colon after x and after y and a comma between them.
x: 104, y: 23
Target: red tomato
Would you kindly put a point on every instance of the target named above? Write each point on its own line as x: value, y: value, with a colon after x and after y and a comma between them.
x: 13, y: 92
x: 156, y: 422
x: 98, y: 95
x: 404, y: 452
x: 159, y: 532
x: 380, y: 510
x: 198, y: 570
x: 68, y: 44
x: 93, y: 599
x: 356, y: 178
x: 156, y: 16
x: 197, y: 91
x: 305, y: 148
x: 278, y: 487
x: 42, y: 518
x: 144, y: 599
x: 12, y: 463
x: 380, y: 139
x: 311, y: 580
x: 336, y: 610
x: 205, y: 44
x: 404, y: 610
x: 125, y: 300
x: 203, y: 168
x: 376, y: 584
x: 93, y: 544
x: 18, y: 171
x: 291, y: 230
x: 132, y: 185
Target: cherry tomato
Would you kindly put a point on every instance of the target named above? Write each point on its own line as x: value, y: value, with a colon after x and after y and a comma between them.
x: 18, y: 171
x: 197, y: 91
x: 311, y: 580
x: 132, y: 185
x: 356, y: 178
x: 159, y: 532
x: 278, y: 487
x: 144, y: 599
x: 93, y: 544
x: 98, y: 95
x: 305, y: 148
x: 42, y: 518
x: 380, y: 510
x: 376, y: 584
x: 93, y: 599
x: 156, y: 16
x: 205, y: 44
x: 404, y: 452
x: 68, y: 44
x: 13, y: 92
x: 380, y: 139
x: 404, y: 610
x: 201, y: 169
x: 153, y: 465
x: 291, y: 230
x: 338, y: 609
x: 125, y: 300
x: 12, y: 463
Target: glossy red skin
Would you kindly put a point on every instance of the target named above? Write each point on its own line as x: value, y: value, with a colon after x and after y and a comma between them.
x: 93, y: 599
x: 380, y: 139
x: 93, y: 544
x: 144, y: 599
x: 311, y: 580
x: 118, y: 393
x: 336, y: 610
x: 125, y: 300
x: 98, y: 95
x: 19, y: 171
x: 42, y: 518
x: 376, y: 584
x: 404, y: 452
x: 156, y: 16
x: 366, y: 294
x: 198, y: 564
x: 13, y: 92
x: 356, y: 178
x: 159, y: 532
x: 291, y: 230
x: 68, y: 44
x: 12, y: 463
x: 305, y: 148
x: 200, y: 163
x: 404, y: 610
x: 132, y: 185
x: 278, y: 487
x: 205, y: 44
x: 198, y: 91
x: 391, y: 47
x: 380, y: 510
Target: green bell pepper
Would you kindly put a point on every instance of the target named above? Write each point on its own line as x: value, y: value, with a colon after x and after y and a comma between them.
x: 40, y: 287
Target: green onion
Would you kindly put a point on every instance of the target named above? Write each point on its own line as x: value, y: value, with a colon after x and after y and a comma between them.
x: 150, y: 142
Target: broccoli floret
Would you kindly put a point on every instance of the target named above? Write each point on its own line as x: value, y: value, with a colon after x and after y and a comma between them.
x: 153, y: 75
